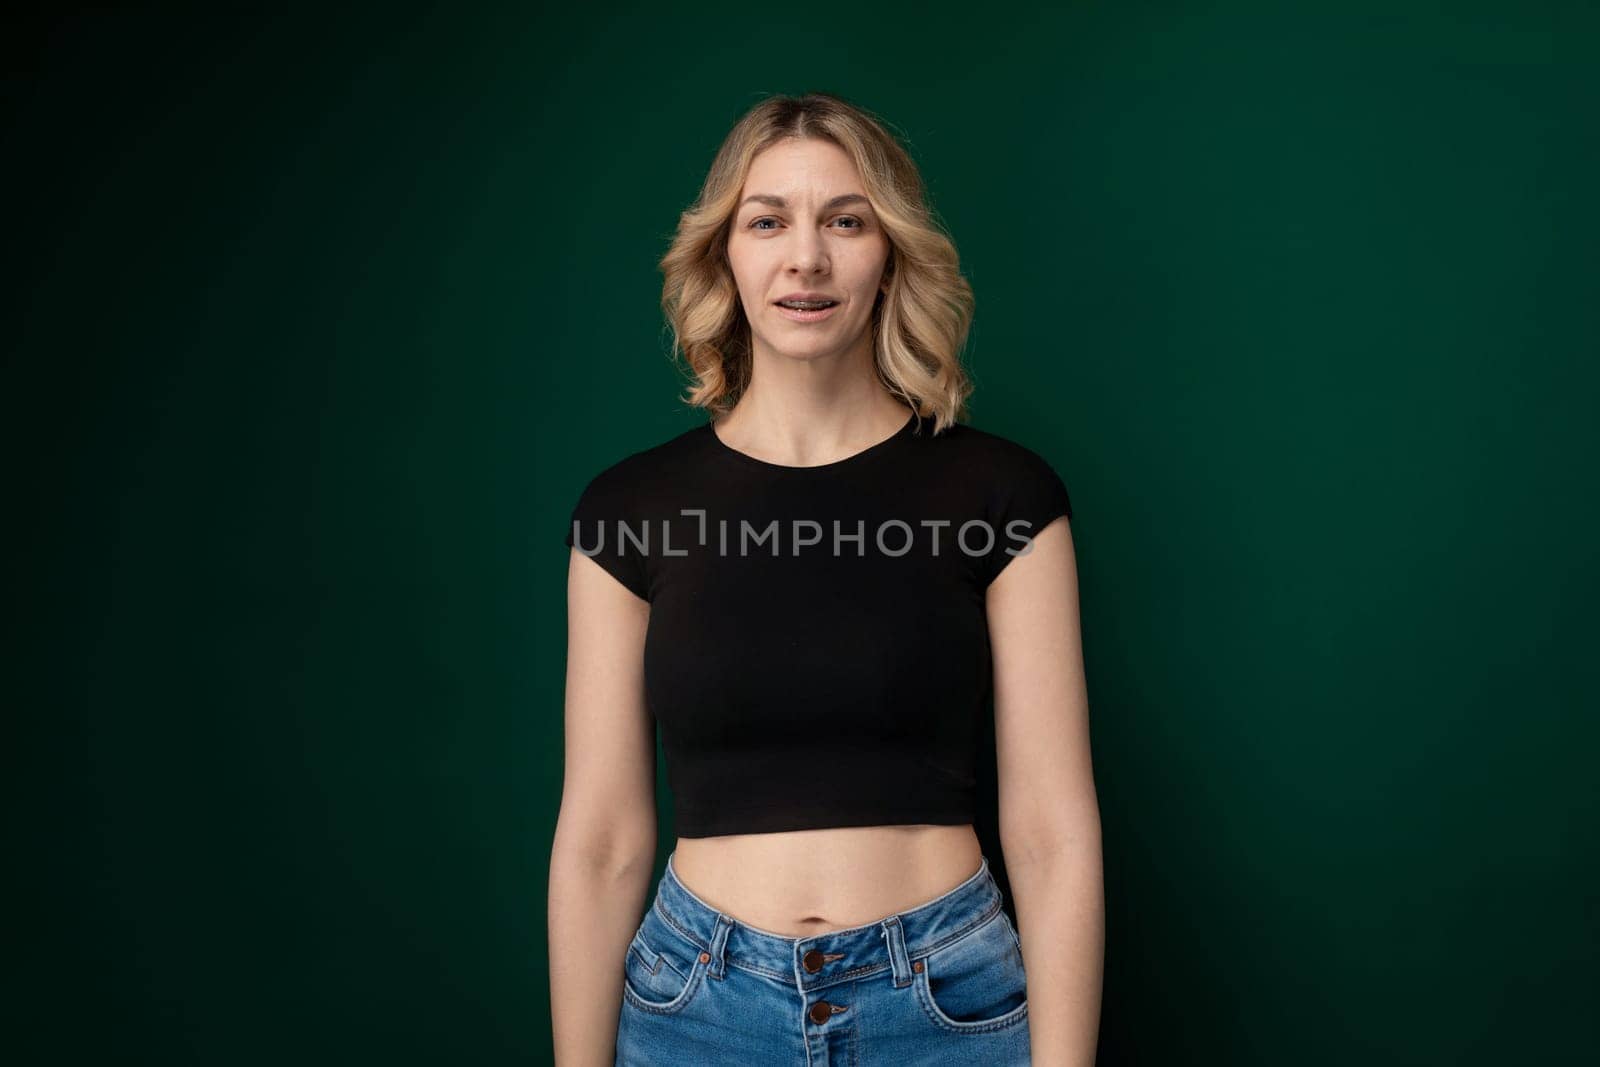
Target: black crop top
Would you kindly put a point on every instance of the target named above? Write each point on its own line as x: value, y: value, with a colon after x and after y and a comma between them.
x: 803, y: 682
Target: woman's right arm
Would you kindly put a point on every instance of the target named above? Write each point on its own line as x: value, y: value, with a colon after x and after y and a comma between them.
x: 603, y: 854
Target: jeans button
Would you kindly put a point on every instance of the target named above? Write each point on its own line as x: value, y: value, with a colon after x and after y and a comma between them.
x: 821, y: 1011
x: 812, y: 961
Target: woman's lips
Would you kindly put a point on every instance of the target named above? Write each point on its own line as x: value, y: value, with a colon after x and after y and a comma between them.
x: 806, y: 316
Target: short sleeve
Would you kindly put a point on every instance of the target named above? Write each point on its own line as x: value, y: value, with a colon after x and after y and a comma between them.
x: 1028, y: 496
x: 603, y: 528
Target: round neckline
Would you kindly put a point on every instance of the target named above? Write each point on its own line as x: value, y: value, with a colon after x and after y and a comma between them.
x: 855, y: 457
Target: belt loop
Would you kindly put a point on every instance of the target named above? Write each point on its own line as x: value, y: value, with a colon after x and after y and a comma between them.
x: 719, y: 945
x: 899, y: 960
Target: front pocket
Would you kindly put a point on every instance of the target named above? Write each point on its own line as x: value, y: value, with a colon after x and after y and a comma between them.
x: 977, y: 983
x: 660, y: 981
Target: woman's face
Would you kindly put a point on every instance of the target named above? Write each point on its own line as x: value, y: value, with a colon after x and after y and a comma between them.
x: 803, y: 225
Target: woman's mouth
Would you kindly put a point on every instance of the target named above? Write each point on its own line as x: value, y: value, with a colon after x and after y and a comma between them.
x: 806, y: 310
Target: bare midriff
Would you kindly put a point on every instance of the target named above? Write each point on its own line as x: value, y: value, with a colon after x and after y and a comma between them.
x: 805, y: 882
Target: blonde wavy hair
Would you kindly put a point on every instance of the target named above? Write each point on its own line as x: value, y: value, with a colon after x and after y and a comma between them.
x: 919, y: 324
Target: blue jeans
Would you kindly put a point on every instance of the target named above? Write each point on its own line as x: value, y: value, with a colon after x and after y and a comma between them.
x: 939, y: 983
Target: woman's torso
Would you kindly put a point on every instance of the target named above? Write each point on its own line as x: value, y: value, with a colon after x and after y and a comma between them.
x: 821, y: 701
x: 802, y: 883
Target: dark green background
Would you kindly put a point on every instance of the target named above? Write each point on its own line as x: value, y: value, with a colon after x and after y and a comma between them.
x: 320, y: 323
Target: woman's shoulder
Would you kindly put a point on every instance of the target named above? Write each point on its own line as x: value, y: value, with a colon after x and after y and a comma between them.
x: 989, y: 448
x: 646, y: 467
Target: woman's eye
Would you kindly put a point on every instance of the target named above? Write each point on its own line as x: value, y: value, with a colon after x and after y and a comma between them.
x: 755, y: 224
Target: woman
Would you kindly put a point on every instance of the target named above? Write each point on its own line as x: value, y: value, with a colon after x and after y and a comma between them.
x: 814, y: 594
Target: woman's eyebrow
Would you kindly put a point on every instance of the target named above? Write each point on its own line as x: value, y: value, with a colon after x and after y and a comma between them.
x: 778, y: 201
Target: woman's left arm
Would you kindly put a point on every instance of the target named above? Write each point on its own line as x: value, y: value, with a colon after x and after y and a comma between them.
x: 1049, y: 814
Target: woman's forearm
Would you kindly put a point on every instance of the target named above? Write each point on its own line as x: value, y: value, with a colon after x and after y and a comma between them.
x: 1060, y: 901
x: 595, y: 906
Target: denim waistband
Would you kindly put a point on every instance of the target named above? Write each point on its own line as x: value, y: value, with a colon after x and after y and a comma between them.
x: 823, y: 959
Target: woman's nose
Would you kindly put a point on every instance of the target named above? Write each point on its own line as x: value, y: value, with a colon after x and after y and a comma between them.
x: 807, y: 252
